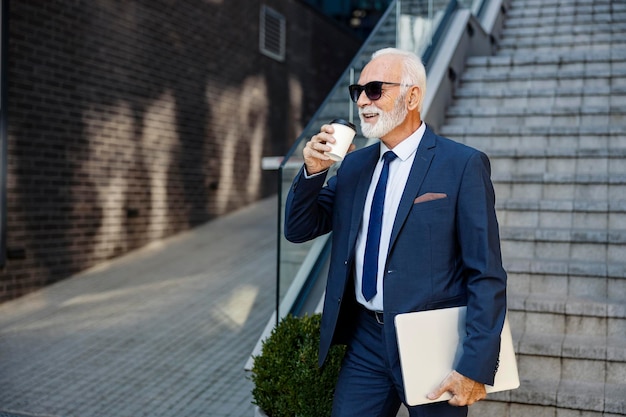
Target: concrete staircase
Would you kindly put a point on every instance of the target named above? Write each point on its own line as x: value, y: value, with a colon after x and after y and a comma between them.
x: 550, y: 111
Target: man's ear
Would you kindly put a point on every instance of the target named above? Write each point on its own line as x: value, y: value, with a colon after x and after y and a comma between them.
x: 414, y: 96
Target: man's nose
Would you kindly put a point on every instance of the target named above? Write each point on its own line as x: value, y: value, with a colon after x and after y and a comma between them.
x: 363, y: 100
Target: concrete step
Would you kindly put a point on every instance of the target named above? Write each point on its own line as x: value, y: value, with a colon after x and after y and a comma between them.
x: 583, y: 31
x: 587, y: 82
x: 520, y: 32
x: 595, y: 359
x: 522, y: 98
x: 614, y: 132
x: 550, y: 8
x: 567, y: 66
x: 580, y: 288
x: 565, y: 284
x: 550, y: 398
x: 547, y: 314
x: 540, y: 77
x: 558, y: 160
x: 565, y: 153
x: 557, y: 186
x: 584, y: 245
x: 533, y: 342
x: 562, y: 308
x: 615, y: 180
x: 555, y: 16
x: 549, y: 33
x: 538, y: 3
x: 537, y: 116
x: 493, y: 137
x: 570, y: 235
x: 594, y: 215
x: 555, y: 60
x: 566, y: 267
x: 588, y: 285
x: 563, y: 18
x: 576, y: 60
x: 584, y: 42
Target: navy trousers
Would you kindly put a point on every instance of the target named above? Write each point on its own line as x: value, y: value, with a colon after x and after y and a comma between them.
x: 366, y: 386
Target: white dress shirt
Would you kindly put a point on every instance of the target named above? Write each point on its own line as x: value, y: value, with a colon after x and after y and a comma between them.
x: 399, y: 170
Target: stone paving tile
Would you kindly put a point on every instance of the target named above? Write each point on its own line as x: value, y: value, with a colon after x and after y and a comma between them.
x: 164, y: 331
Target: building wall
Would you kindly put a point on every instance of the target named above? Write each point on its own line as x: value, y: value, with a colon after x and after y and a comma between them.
x: 130, y: 121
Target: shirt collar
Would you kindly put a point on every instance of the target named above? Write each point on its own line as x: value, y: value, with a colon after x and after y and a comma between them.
x: 407, y: 147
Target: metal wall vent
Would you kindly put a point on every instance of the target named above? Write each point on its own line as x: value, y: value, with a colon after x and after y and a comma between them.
x: 272, y: 34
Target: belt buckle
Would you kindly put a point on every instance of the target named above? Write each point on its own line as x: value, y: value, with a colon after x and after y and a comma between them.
x: 379, y: 317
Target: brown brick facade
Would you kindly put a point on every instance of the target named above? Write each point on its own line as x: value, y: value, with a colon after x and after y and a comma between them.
x: 130, y: 121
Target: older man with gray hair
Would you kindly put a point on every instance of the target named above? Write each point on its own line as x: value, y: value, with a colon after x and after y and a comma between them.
x: 414, y: 228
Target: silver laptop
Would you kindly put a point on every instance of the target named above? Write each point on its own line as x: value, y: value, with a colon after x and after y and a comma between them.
x: 430, y: 345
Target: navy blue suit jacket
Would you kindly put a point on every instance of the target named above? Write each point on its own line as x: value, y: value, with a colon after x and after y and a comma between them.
x: 443, y: 252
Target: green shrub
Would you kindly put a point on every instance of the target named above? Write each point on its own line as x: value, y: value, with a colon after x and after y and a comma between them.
x: 287, y: 379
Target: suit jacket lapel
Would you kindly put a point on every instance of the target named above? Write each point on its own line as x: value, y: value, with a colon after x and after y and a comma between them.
x: 421, y: 165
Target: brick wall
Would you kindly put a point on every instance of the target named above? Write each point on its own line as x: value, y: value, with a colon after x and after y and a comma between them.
x: 132, y: 121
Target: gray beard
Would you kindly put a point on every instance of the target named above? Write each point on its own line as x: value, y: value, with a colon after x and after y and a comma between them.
x: 387, y: 121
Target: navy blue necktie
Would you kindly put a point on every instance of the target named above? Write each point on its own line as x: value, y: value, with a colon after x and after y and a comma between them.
x: 372, y: 245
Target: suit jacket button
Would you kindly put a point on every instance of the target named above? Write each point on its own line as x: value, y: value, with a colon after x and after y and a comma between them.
x: 339, y: 300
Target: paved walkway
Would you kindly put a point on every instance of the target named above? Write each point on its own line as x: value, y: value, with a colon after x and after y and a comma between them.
x: 164, y: 331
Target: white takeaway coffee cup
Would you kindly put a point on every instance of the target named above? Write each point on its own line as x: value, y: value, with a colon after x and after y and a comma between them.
x: 344, y: 133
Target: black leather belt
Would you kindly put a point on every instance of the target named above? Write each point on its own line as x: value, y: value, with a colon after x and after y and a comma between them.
x: 377, y: 315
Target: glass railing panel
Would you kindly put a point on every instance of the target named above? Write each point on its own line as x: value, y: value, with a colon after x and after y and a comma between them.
x: 416, y: 25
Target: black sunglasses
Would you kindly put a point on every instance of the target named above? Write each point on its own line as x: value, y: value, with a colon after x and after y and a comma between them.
x: 373, y: 90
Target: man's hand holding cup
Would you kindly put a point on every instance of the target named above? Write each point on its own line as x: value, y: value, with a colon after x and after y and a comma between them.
x: 330, y: 145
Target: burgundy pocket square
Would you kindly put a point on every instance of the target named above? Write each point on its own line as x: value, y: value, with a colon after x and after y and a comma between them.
x: 429, y: 197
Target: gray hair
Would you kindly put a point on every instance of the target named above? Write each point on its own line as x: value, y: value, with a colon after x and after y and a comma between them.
x: 413, y: 71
